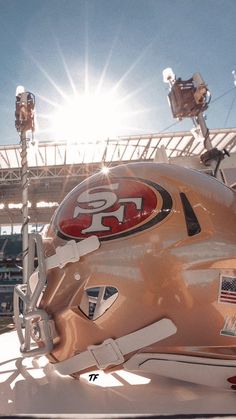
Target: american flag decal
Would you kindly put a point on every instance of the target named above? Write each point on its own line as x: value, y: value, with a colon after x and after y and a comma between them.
x: 227, y: 292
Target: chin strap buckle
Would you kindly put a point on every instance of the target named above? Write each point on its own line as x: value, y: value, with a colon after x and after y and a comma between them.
x: 106, y: 354
x: 71, y: 252
x: 68, y: 253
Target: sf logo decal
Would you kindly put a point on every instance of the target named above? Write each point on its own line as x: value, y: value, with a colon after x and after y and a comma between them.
x: 110, y: 210
x: 97, y: 201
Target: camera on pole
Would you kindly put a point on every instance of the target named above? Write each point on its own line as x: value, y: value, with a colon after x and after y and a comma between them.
x: 189, y: 99
x: 24, y: 114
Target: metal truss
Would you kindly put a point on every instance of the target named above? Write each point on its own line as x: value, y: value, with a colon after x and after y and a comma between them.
x: 49, y: 156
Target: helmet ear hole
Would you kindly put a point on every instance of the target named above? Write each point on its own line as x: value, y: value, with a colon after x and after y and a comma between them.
x: 97, y: 300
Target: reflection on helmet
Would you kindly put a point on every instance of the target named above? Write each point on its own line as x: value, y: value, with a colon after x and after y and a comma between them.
x: 162, y: 284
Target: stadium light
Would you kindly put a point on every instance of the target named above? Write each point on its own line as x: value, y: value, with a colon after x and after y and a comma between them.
x: 43, y: 204
x: 15, y: 206
x: 234, y: 76
x: 168, y: 76
x: 18, y: 205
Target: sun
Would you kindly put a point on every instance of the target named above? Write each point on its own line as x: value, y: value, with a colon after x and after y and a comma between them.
x: 89, y: 116
x: 94, y: 108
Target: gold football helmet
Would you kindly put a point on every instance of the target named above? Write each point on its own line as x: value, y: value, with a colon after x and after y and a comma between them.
x: 138, y: 270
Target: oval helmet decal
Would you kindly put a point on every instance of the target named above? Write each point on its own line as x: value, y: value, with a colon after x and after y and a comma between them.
x: 111, y: 208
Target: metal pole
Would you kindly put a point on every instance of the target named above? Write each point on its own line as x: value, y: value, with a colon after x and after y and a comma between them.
x: 24, y: 184
x: 24, y: 122
x: 214, y: 155
x: 204, y: 130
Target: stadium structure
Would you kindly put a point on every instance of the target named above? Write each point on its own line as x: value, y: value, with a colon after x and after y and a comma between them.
x: 55, y: 168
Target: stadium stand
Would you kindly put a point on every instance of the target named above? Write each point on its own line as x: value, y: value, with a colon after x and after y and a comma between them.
x: 10, y: 270
x: 10, y: 247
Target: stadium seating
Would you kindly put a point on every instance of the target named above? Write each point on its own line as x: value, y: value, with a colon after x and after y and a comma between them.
x: 10, y: 270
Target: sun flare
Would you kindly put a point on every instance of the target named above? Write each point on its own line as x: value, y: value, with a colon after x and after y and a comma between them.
x: 89, y: 117
x: 94, y: 108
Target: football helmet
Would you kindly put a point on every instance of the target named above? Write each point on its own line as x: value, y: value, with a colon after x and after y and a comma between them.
x: 137, y: 269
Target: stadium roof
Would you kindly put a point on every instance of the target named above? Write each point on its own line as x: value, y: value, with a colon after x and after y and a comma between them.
x: 57, y: 167
x: 131, y: 148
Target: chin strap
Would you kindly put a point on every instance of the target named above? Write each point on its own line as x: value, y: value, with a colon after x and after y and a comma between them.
x: 71, y: 252
x: 111, y: 351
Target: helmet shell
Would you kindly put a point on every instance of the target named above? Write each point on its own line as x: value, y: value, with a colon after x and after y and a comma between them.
x: 168, y: 240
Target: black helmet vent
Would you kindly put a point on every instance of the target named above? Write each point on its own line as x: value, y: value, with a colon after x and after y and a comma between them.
x: 192, y: 224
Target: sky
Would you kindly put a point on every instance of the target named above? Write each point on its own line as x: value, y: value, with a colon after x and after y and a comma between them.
x: 95, y: 66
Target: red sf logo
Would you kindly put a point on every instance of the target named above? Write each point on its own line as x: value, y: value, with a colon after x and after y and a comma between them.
x: 111, y: 210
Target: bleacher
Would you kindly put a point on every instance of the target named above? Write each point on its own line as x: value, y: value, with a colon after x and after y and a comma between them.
x: 10, y: 270
x: 10, y: 247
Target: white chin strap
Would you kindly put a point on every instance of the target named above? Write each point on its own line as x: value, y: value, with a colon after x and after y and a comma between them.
x: 199, y: 370
x: 72, y: 252
x: 111, y: 352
